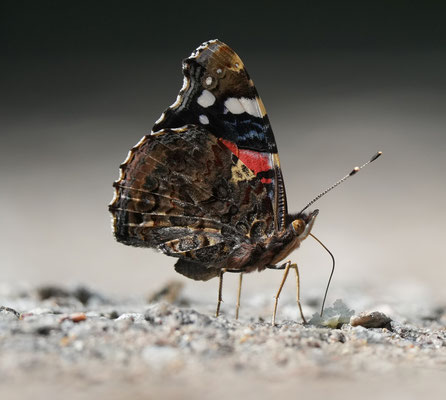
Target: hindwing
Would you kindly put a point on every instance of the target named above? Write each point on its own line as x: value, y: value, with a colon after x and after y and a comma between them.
x: 186, y: 193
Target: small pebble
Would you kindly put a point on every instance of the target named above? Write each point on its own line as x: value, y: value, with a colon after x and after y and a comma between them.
x: 373, y: 319
x: 75, y: 317
x: 7, y: 313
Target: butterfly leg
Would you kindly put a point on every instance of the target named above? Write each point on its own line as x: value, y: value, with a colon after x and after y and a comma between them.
x: 288, y: 266
x: 294, y: 266
x: 285, y: 275
x: 220, y: 290
x: 237, y: 306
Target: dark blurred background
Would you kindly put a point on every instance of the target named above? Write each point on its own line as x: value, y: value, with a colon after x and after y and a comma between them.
x: 83, y: 81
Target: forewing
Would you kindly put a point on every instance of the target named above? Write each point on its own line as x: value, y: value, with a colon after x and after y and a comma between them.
x: 184, y: 192
x: 219, y: 95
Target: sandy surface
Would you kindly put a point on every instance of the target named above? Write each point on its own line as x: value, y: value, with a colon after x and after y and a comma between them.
x: 71, y: 343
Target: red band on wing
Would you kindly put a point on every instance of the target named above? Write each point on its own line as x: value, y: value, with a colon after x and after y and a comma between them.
x: 231, y: 146
x: 254, y: 160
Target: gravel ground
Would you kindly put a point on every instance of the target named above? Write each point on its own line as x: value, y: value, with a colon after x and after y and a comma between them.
x: 77, y: 343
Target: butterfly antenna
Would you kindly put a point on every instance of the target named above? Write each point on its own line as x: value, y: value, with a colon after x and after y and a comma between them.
x: 354, y: 171
x: 331, y: 274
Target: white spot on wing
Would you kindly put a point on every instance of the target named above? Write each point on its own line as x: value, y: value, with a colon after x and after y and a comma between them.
x: 203, y: 119
x: 206, y: 99
x: 243, y: 104
x: 209, y: 80
x: 251, y: 107
x: 234, y: 106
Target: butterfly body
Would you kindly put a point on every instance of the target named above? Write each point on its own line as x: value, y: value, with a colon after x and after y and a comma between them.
x: 206, y: 185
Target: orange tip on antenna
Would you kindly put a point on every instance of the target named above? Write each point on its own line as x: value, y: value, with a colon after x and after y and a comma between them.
x: 355, y: 170
x: 376, y: 156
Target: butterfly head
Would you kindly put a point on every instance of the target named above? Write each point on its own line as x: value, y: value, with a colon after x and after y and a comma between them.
x: 302, y: 224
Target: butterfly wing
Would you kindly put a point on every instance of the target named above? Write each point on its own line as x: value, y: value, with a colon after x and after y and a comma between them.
x: 186, y: 193
x: 219, y: 95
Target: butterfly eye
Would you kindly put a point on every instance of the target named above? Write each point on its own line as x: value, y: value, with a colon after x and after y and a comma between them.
x: 298, y: 226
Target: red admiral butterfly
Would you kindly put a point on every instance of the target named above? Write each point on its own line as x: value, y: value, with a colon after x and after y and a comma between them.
x: 206, y: 185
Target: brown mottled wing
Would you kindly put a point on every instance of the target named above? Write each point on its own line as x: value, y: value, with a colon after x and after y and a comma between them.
x: 184, y: 192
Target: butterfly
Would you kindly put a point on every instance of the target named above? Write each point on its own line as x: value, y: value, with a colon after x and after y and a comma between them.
x: 205, y: 186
